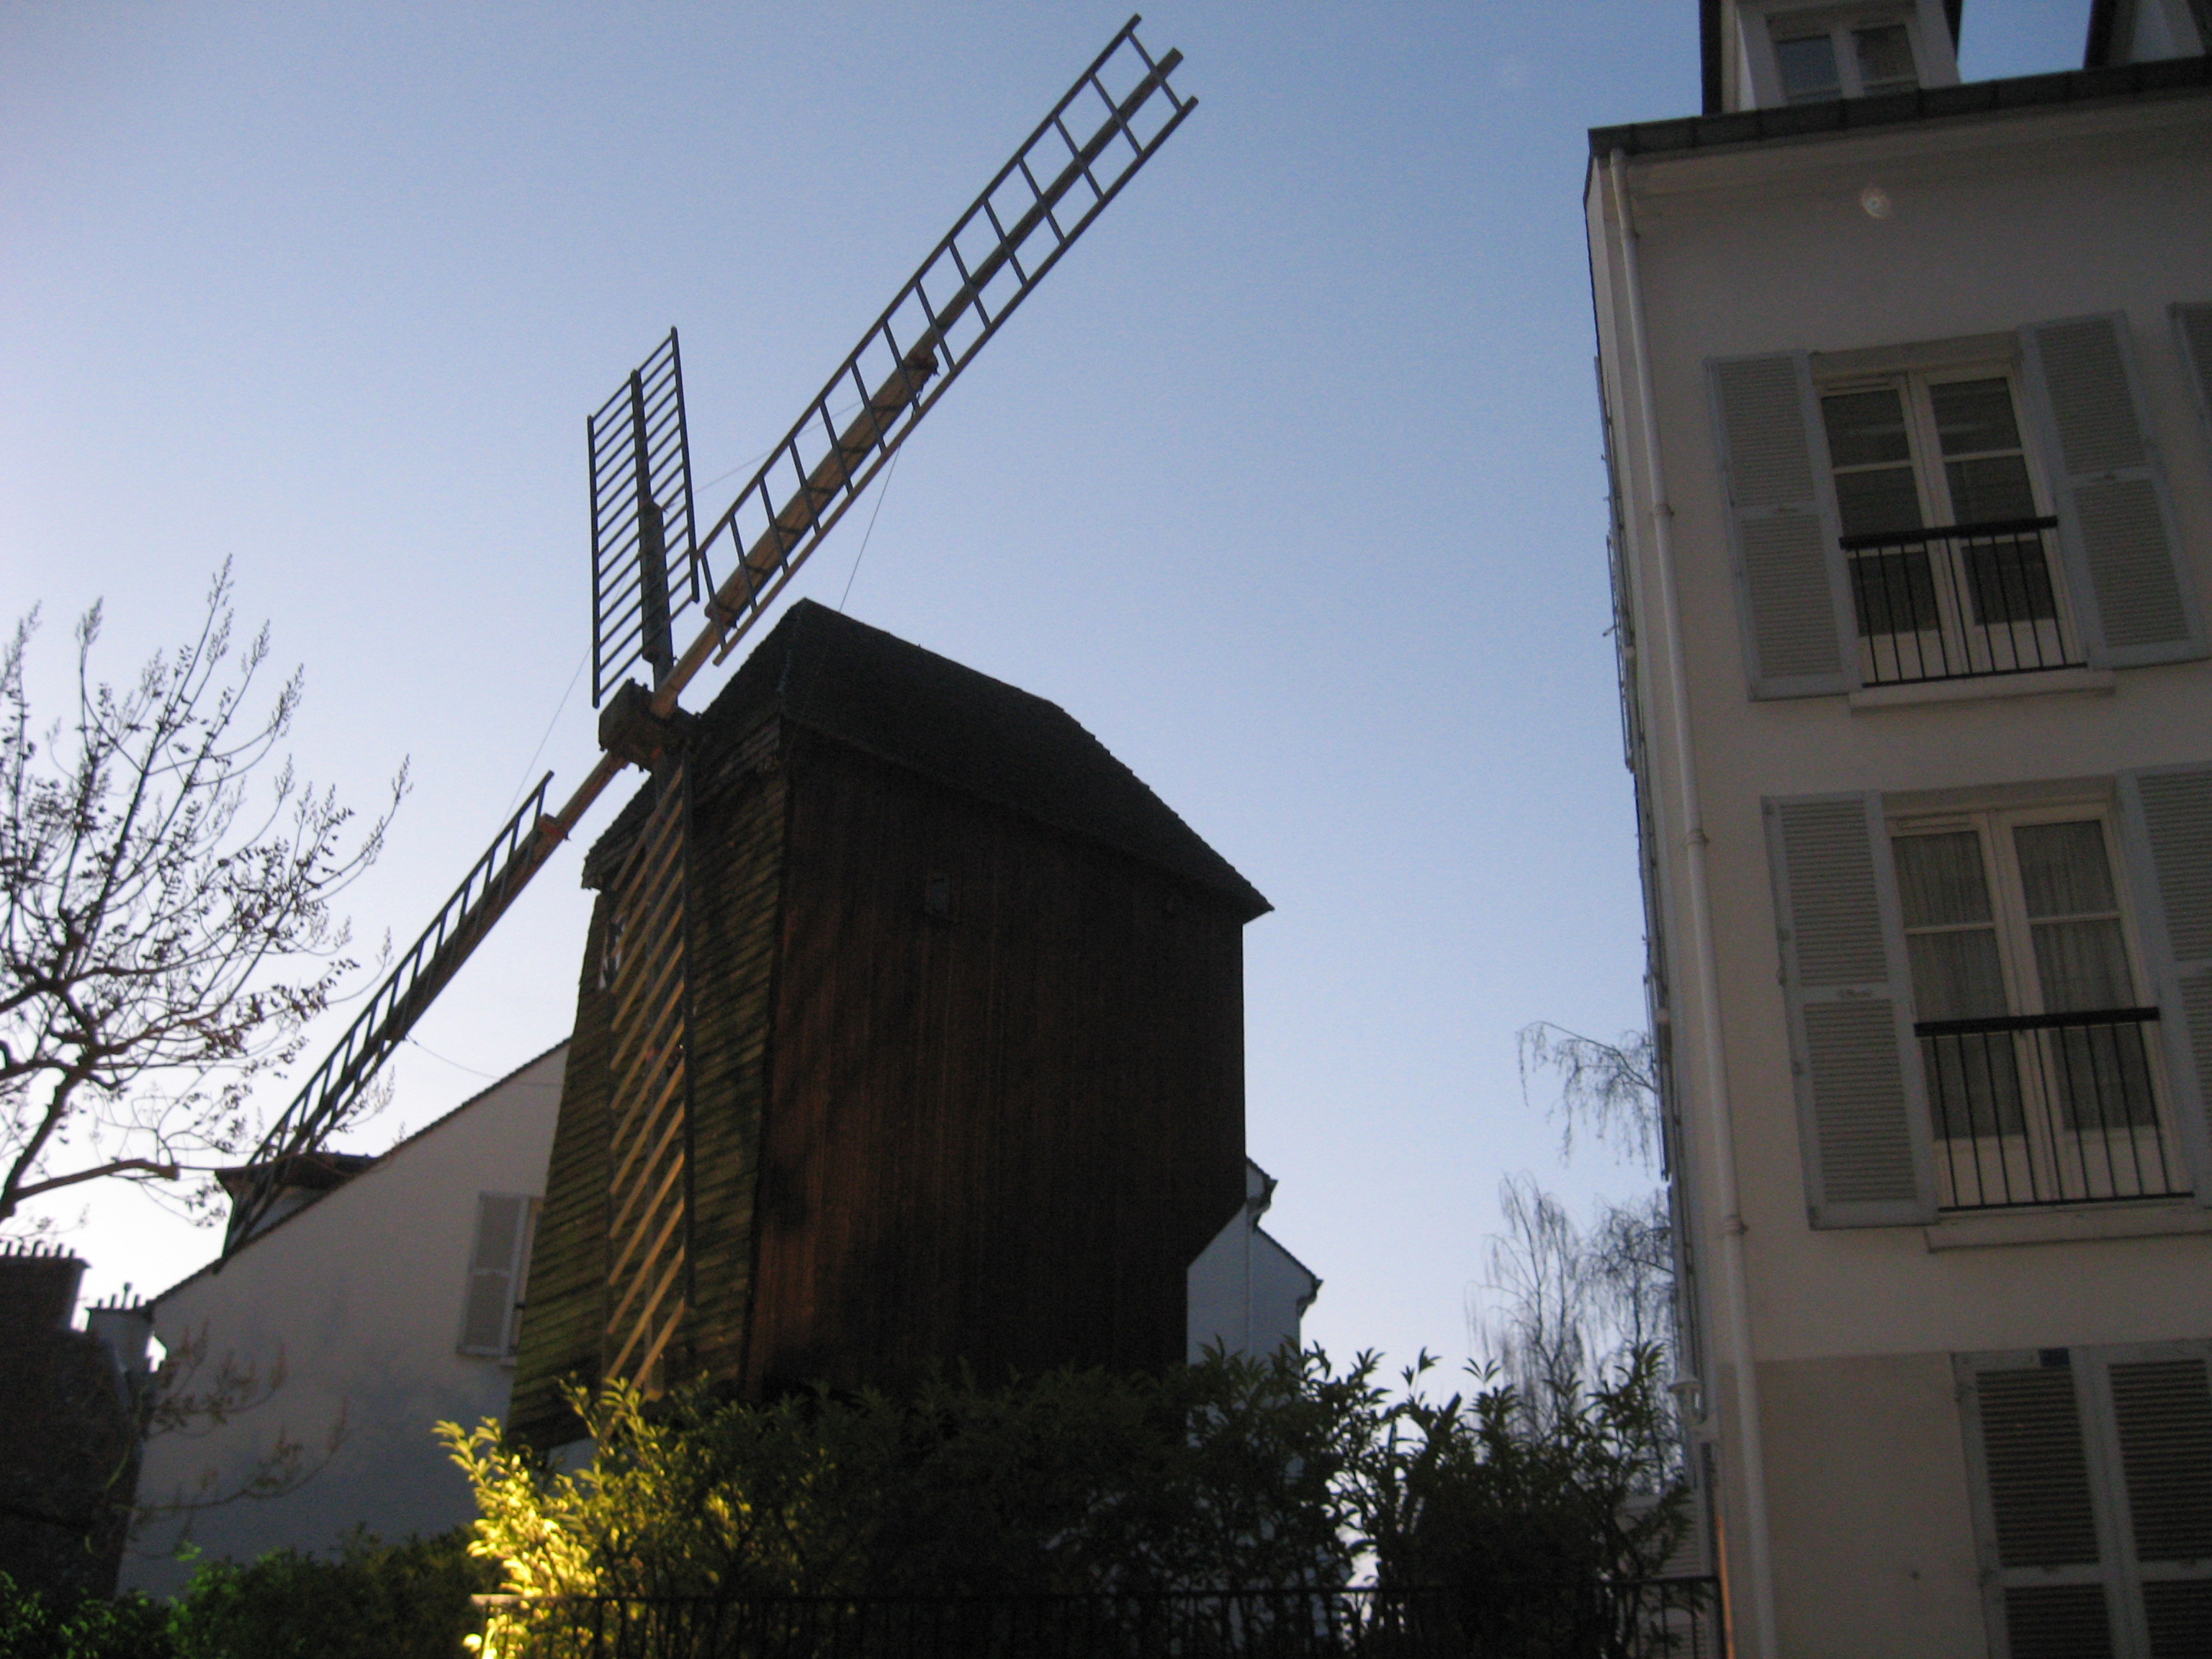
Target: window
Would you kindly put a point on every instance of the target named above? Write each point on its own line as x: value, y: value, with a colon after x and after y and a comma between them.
x: 499, y: 1270
x: 2035, y: 1045
x: 1821, y: 59
x: 2093, y: 1495
x: 1949, y: 558
x: 2003, y: 1002
x: 1918, y: 445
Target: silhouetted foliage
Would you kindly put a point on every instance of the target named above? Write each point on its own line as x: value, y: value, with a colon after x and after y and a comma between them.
x: 1226, y: 1475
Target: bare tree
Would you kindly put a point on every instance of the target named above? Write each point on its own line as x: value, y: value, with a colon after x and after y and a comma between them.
x: 165, y: 930
x: 1564, y: 1304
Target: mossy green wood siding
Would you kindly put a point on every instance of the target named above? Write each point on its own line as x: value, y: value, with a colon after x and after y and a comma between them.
x: 564, y: 1308
x: 999, y: 1136
x: 738, y: 820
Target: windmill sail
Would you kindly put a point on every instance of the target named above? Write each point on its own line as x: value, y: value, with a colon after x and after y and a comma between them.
x: 1088, y: 146
x: 321, y: 1107
x: 647, y: 567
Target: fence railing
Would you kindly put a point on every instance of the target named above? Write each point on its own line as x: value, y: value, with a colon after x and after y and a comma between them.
x: 2047, y: 1109
x: 1645, y: 1619
x: 1959, y: 602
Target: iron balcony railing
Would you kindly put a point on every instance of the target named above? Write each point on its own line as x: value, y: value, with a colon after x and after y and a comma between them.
x: 1959, y: 602
x: 2047, y: 1109
x: 1642, y: 1618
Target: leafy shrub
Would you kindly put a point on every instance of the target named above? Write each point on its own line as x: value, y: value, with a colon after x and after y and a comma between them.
x: 1232, y: 1473
x: 33, y: 1625
x: 374, y: 1601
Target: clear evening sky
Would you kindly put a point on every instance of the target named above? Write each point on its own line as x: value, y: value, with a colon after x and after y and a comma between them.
x: 1286, y: 484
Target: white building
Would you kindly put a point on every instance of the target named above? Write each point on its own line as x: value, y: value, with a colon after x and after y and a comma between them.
x: 1905, y: 384
x: 386, y: 1304
x: 1246, y: 1294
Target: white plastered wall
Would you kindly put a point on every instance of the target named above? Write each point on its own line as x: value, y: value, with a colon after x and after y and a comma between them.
x: 1246, y: 1293
x: 359, y: 1297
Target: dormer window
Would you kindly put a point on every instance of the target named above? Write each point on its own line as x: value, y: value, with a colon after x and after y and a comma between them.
x: 1814, y: 51
x: 1843, y: 60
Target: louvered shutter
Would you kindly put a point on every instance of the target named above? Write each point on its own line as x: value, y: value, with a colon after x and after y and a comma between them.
x: 2193, y: 328
x: 1862, y: 1103
x: 488, y: 1318
x: 2115, y: 524
x: 2044, y: 1562
x: 1783, y: 534
x: 2166, y: 822
x: 2162, y: 1417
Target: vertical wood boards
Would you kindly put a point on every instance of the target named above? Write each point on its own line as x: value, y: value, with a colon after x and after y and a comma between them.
x: 738, y: 819
x: 564, y: 1308
x: 648, y: 1118
x: 995, y: 1128
x: 999, y: 1136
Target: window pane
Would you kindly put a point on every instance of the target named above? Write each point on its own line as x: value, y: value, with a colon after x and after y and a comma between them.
x: 1808, y: 68
x: 1974, y: 416
x: 1895, y: 593
x: 2101, y: 1077
x: 2083, y: 966
x: 1866, y: 428
x: 2010, y: 581
x: 1940, y: 880
x: 2063, y: 868
x: 1989, y: 490
x: 1973, y: 1084
x: 1881, y: 502
x: 1957, y: 976
x: 1885, y: 59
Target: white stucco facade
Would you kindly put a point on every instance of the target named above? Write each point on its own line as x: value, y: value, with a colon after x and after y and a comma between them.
x: 1874, y: 1316
x: 363, y: 1297
x: 1246, y: 1293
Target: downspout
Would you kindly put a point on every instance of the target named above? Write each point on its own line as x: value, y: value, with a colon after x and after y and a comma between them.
x: 1699, y: 939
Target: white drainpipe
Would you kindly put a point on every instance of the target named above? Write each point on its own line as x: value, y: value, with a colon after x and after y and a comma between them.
x: 1751, y: 1551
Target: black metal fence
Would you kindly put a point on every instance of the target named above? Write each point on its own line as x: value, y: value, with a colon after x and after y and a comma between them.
x: 2047, y: 1109
x: 1676, y: 1618
x: 1959, y: 602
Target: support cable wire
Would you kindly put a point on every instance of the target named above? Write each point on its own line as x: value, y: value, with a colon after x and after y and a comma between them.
x: 868, y: 535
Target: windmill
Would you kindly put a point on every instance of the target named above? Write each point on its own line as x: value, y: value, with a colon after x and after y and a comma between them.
x: 650, y: 567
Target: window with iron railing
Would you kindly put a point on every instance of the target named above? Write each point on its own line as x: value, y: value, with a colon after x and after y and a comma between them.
x: 1952, y: 562
x: 2040, y: 1056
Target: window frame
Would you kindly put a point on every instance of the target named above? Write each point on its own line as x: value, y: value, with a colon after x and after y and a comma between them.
x: 1771, y: 26
x: 515, y: 1269
x: 1979, y: 646
x: 2007, y: 895
x: 2044, y: 1123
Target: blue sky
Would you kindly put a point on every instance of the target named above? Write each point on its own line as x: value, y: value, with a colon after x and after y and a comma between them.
x: 1287, y: 482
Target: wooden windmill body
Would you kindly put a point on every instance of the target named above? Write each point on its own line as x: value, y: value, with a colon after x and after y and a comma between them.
x: 909, y: 1028
x: 964, y: 1075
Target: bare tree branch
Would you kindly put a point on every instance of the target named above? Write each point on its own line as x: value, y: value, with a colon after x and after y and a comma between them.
x: 166, y: 928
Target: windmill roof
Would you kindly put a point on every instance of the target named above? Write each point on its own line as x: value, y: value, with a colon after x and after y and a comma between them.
x: 875, y: 692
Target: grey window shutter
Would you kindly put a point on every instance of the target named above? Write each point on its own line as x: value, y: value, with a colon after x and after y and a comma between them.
x: 2162, y: 1413
x: 2166, y: 822
x: 1782, y: 526
x: 487, y: 1320
x: 1862, y: 1103
x: 2193, y: 328
x: 2043, y: 1565
x: 2115, y: 524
